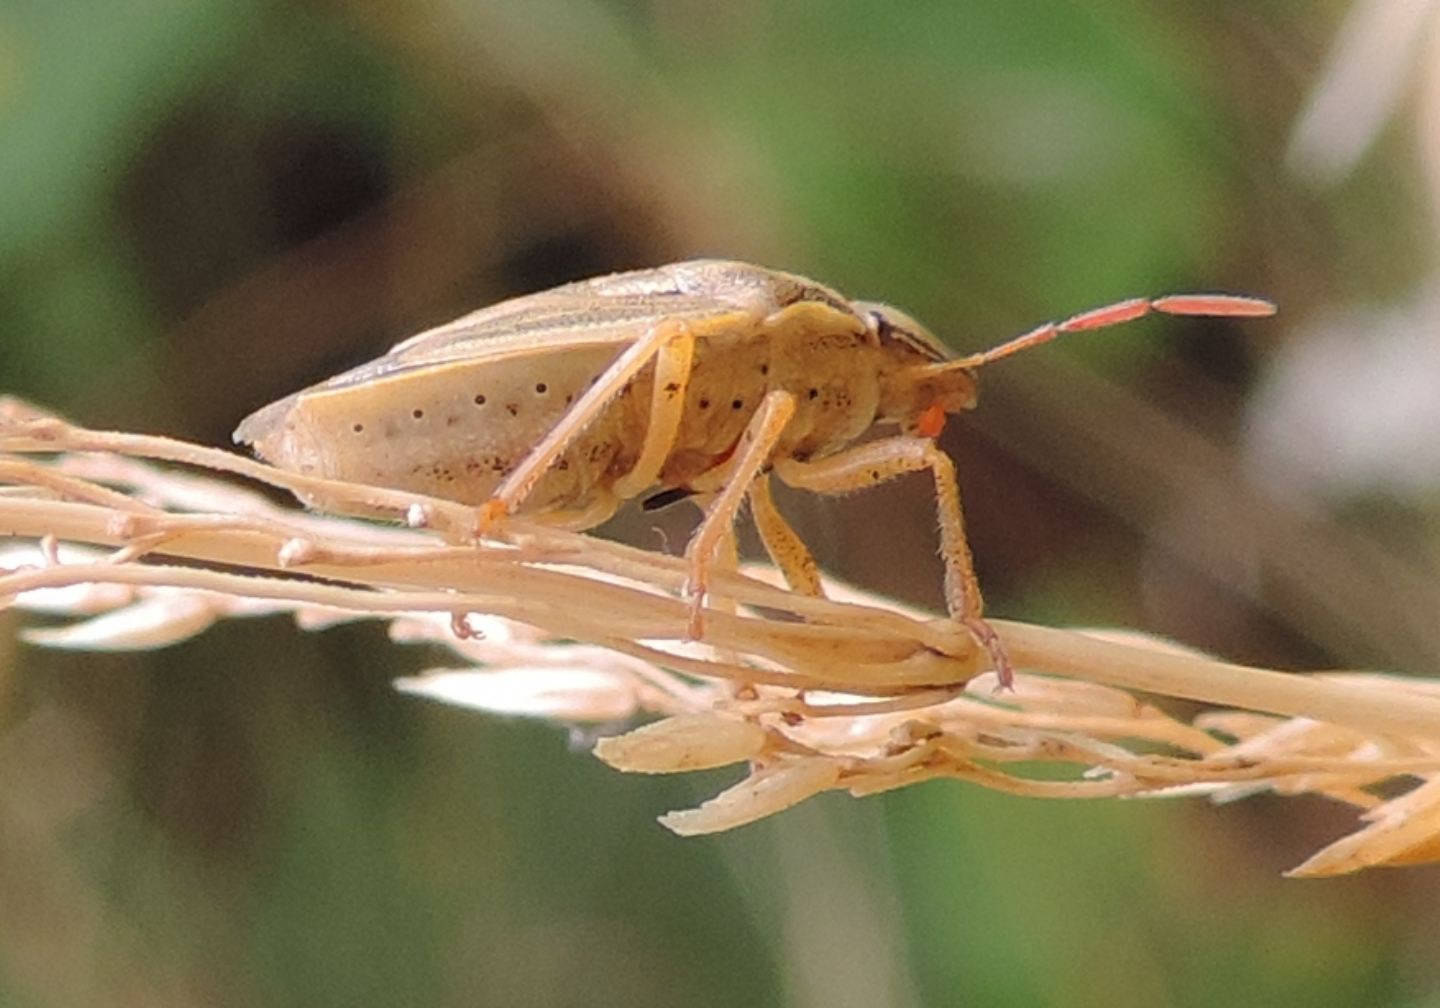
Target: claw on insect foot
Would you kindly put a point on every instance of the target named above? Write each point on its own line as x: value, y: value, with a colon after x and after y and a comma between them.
x: 489, y: 514
x: 696, y: 627
x: 695, y: 589
x: 987, y: 638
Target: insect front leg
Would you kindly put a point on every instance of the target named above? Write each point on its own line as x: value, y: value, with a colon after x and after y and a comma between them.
x: 787, y: 550
x: 751, y: 454
x: 870, y: 464
x: 518, y: 485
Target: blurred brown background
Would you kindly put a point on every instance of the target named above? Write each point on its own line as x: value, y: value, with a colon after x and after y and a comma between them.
x: 207, y: 204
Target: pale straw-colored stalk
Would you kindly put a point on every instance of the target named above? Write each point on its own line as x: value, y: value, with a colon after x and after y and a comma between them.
x: 809, y: 694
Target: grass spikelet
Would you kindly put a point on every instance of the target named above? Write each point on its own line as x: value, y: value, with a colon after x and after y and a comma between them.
x: 127, y: 535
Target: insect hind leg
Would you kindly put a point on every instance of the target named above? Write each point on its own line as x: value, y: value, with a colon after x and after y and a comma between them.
x: 518, y: 485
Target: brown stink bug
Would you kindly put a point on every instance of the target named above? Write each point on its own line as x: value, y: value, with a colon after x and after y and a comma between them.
x: 697, y: 378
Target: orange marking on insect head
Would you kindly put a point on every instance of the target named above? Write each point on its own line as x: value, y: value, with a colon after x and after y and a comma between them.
x: 931, y: 421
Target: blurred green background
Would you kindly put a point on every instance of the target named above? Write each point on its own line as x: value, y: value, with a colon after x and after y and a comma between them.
x: 207, y: 203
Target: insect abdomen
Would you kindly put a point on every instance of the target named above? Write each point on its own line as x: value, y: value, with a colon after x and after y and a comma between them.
x: 454, y: 430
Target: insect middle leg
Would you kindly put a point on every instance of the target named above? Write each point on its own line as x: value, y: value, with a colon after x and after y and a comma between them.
x: 674, y: 345
x: 879, y: 461
x: 733, y: 480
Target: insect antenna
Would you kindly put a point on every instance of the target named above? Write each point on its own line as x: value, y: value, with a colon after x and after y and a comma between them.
x: 1207, y: 305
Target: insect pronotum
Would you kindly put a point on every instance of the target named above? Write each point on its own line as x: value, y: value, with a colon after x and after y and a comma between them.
x: 699, y: 378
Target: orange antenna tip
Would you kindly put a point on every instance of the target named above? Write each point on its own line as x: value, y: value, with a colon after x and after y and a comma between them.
x: 1221, y: 305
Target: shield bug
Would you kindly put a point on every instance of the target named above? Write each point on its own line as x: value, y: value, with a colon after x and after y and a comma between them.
x: 699, y: 378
